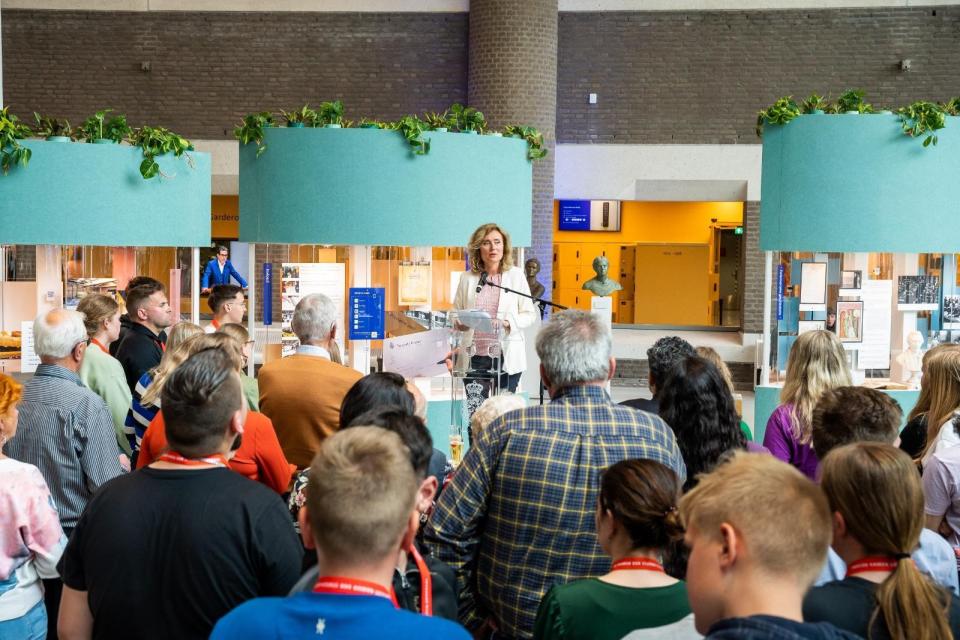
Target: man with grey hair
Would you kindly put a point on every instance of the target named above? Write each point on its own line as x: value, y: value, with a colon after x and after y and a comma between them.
x: 518, y: 516
x: 302, y: 393
x: 65, y: 429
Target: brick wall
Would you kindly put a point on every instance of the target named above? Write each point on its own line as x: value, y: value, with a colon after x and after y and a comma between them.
x: 700, y: 77
x: 209, y: 69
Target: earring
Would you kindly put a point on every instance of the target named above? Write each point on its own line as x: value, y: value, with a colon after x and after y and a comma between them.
x: 3, y: 440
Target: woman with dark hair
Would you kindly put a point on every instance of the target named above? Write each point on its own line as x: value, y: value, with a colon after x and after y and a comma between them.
x: 376, y: 390
x: 636, y: 520
x: 696, y: 402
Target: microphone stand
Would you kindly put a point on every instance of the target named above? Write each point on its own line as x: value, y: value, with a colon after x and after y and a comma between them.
x: 526, y: 295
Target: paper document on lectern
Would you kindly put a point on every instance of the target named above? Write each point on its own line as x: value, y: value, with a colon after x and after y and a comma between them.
x: 476, y: 319
x: 417, y: 355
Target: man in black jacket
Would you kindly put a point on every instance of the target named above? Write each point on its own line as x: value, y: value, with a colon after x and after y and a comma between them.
x: 142, y: 347
x: 125, y: 321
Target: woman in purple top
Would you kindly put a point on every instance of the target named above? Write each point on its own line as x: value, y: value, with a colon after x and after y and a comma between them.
x: 817, y: 363
x: 696, y: 402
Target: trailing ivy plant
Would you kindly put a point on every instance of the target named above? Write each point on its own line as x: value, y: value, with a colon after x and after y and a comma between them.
x: 534, y: 138
x: 467, y: 118
x: 412, y: 128
x: 48, y: 126
x: 781, y: 112
x: 156, y: 141
x: 922, y: 119
x: 304, y: 115
x: 12, y: 153
x: 813, y: 104
x: 251, y: 129
x: 330, y: 113
x: 98, y: 127
x: 853, y: 102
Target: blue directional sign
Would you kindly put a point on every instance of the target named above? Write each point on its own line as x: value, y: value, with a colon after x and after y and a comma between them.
x: 366, y: 313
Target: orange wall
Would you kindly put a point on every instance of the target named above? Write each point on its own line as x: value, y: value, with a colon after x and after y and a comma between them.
x: 673, y: 222
x: 225, y: 217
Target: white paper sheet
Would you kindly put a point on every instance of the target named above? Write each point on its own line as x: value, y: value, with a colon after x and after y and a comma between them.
x: 877, y: 296
x: 417, y: 354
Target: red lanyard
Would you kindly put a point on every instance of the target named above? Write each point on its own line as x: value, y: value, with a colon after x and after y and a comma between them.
x: 426, y: 582
x: 100, y: 344
x: 352, y: 587
x: 637, y: 564
x: 173, y: 457
x: 216, y: 325
x: 871, y: 563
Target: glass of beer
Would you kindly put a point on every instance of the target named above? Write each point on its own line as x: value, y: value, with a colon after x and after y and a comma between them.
x: 456, y: 445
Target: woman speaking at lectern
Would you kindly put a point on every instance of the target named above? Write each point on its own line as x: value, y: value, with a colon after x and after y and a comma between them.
x: 491, y: 263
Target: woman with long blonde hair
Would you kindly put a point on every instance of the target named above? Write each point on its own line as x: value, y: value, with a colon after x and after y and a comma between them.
x: 877, y: 503
x: 913, y: 438
x: 817, y: 363
x: 943, y: 415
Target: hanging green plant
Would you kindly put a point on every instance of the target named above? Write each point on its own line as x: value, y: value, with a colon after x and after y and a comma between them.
x: 853, y: 102
x: 156, y: 141
x: 922, y: 119
x: 304, y: 116
x: 98, y: 127
x: 952, y: 107
x: 467, y: 118
x: 814, y: 104
x: 412, y: 128
x: 369, y: 123
x: 437, y: 121
x: 534, y: 138
x: 330, y: 113
x: 12, y: 153
x: 251, y: 129
x: 50, y: 127
x: 781, y: 112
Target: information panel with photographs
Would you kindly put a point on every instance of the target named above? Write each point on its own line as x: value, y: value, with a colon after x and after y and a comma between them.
x: 302, y: 279
x: 918, y: 289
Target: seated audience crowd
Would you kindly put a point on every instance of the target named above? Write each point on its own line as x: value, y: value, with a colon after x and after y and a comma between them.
x: 330, y: 514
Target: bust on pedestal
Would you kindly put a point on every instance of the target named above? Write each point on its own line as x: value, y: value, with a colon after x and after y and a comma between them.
x: 909, y: 363
x: 532, y: 267
x: 601, y: 285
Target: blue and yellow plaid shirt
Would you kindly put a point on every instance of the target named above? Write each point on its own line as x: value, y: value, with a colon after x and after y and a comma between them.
x: 518, y: 516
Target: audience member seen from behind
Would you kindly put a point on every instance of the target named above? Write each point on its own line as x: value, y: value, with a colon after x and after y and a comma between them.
x: 696, y: 403
x: 817, y: 363
x: 710, y: 355
x: 758, y: 532
x: 100, y: 371
x: 31, y: 540
x: 877, y: 504
x: 943, y: 417
x: 251, y: 390
x: 359, y: 515
x: 203, y: 539
x: 941, y: 489
x: 503, y: 501
x: 146, y: 401
x: 493, y: 408
x: 142, y: 345
x: 661, y: 358
x: 258, y: 456
x: 228, y: 305
x: 636, y: 520
x: 416, y: 569
x: 913, y: 437
x: 856, y: 414
x: 302, y: 393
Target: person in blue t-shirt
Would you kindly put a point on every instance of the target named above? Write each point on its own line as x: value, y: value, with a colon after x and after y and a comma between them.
x: 219, y: 270
x: 358, y: 516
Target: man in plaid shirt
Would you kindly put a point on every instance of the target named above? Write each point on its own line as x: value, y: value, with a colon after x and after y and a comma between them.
x: 518, y: 516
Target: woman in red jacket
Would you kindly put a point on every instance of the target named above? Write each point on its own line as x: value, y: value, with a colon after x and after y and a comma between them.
x: 259, y: 456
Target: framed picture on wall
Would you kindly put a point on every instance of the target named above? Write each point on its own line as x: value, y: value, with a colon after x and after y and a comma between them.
x: 850, y: 321
x: 810, y: 325
x: 813, y: 283
x: 850, y: 279
x: 951, y: 312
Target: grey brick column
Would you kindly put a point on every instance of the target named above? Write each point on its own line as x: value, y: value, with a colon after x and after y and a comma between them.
x: 513, y: 80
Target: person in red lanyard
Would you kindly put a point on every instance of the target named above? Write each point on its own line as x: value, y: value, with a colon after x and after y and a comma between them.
x: 359, y: 515
x: 758, y: 532
x: 636, y: 521
x: 228, y: 305
x: 421, y: 583
x: 877, y: 502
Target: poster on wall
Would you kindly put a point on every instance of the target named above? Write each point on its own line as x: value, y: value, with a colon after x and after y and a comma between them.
x: 302, y: 279
x: 877, y: 324
x: 414, y: 285
x: 29, y: 360
x: 850, y: 279
x: 951, y: 312
x: 850, y: 321
x: 918, y: 289
x: 813, y: 286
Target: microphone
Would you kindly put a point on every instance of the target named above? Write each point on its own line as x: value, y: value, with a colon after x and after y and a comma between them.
x: 483, y: 281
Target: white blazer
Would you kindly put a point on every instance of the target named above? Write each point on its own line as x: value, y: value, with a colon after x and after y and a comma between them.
x: 517, y: 310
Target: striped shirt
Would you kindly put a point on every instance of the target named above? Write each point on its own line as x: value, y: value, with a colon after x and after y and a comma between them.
x: 66, y: 431
x: 140, y: 415
x: 518, y: 516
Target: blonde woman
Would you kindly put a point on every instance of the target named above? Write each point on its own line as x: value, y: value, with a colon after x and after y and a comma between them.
x: 491, y: 257
x: 816, y: 364
x: 251, y: 390
x: 100, y: 371
x: 913, y: 438
x: 146, y: 403
x: 943, y: 416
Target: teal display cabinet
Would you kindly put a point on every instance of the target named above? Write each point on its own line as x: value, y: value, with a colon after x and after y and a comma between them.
x: 365, y: 187
x: 93, y: 194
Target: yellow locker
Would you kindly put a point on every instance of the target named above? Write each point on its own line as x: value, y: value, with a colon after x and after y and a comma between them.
x: 568, y: 254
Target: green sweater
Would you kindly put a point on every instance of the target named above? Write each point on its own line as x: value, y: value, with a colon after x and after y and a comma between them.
x: 103, y: 374
x: 251, y: 389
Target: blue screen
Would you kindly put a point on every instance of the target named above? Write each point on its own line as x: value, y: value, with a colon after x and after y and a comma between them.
x: 574, y: 215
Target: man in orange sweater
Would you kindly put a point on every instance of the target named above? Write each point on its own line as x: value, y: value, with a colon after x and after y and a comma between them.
x: 302, y: 393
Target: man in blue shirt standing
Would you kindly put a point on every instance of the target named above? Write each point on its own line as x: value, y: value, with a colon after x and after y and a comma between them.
x: 219, y: 270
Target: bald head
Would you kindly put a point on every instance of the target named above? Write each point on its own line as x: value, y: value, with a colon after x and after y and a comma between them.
x: 60, y: 337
